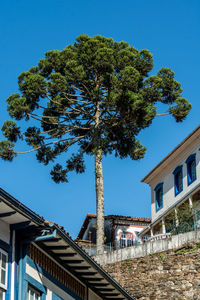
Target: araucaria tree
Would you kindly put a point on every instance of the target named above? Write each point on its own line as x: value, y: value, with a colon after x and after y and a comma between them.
x: 95, y: 94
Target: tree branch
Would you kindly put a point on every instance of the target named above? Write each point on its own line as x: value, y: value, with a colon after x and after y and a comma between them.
x: 75, y: 139
x: 164, y: 114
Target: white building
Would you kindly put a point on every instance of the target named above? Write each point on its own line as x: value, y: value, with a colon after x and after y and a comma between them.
x: 120, y: 232
x: 175, y: 184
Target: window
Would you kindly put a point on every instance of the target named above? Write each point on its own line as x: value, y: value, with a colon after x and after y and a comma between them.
x: 2, y: 294
x: 126, y: 239
x: 159, y: 196
x: 33, y: 294
x: 178, y: 180
x: 3, y: 270
x: 191, y: 168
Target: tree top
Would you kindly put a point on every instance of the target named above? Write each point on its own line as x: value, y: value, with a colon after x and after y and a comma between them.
x: 95, y: 94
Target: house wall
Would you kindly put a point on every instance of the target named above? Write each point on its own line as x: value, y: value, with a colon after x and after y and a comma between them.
x: 7, y: 248
x: 52, y: 290
x: 167, y: 178
x: 129, y: 228
x: 92, y: 228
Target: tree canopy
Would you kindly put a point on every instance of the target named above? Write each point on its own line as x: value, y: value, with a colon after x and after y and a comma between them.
x: 62, y: 93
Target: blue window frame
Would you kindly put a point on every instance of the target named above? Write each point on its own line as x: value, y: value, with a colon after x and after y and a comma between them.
x: 178, y: 180
x: 159, y: 196
x: 56, y: 297
x: 191, y: 168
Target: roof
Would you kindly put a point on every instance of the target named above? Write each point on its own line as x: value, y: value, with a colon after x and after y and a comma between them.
x: 72, y: 257
x: 20, y: 208
x: 110, y: 217
x: 171, y: 154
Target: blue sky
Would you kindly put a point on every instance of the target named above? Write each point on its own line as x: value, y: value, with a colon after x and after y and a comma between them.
x: 169, y: 29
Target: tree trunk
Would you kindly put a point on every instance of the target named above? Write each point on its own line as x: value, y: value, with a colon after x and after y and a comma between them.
x: 99, y: 202
x: 99, y: 182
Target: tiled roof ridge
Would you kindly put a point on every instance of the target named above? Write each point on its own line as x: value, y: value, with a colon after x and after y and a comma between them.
x: 128, y: 218
x: 120, y: 216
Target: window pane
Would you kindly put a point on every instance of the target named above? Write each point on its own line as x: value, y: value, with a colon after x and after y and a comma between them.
x: 1, y: 295
x: 192, y: 170
x: 129, y: 243
x: 159, y: 198
x: 179, y: 180
x: 123, y: 243
x: 3, y: 277
x: 31, y: 295
x: 3, y: 261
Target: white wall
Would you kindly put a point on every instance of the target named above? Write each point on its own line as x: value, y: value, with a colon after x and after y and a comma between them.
x: 4, y: 231
x: 166, y: 176
x: 92, y: 223
x: 131, y: 229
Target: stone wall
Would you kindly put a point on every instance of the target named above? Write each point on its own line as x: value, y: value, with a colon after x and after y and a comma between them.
x: 168, y: 275
x: 150, y: 247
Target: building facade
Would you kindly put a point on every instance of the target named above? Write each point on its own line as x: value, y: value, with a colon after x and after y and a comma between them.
x: 40, y: 261
x: 175, y: 186
x: 120, y: 232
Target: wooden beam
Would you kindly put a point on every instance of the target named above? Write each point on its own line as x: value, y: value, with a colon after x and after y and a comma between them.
x: 111, y: 294
x: 73, y: 261
x: 94, y: 279
x: 7, y: 214
x: 20, y: 225
x: 100, y: 284
x: 65, y: 254
x: 52, y: 240
x: 88, y: 273
x: 110, y: 298
x: 81, y: 268
x: 56, y: 247
x: 107, y: 290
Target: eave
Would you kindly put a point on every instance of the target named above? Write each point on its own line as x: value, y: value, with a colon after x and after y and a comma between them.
x: 68, y: 254
x: 172, y: 155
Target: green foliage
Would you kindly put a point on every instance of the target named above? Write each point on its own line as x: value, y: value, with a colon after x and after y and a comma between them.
x: 161, y: 256
x: 185, y: 216
x: 198, y: 245
x: 58, y: 174
x: 6, y: 150
x: 11, y: 131
x: 188, y: 249
x: 67, y: 89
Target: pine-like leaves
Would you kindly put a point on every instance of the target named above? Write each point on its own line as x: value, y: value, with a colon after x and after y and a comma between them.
x: 66, y: 90
x: 6, y: 150
x: 11, y: 131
